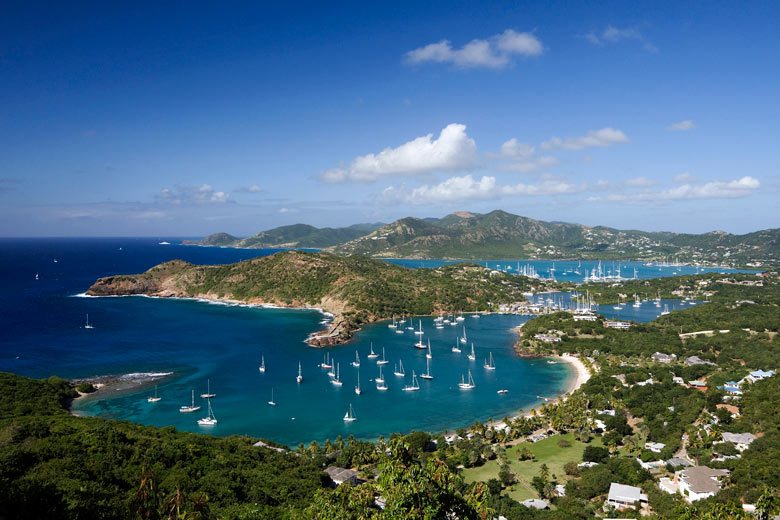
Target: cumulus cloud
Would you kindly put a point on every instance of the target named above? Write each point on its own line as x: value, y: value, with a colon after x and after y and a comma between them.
x: 684, y: 177
x: 253, y: 188
x: 452, y: 151
x: 182, y: 194
x: 682, y: 126
x: 595, y: 138
x: 463, y: 188
x: 288, y: 210
x: 522, y: 157
x: 611, y: 34
x: 642, y: 182
x: 710, y: 190
x: 495, y: 52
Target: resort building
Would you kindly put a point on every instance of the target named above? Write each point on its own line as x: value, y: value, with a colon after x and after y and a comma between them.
x: 621, y: 325
x: 341, y: 475
x: 585, y: 317
x: 699, y: 482
x: 741, y: 441
x: 759, y: 375
x: 655, y: 447
x: 535, y: 503
x: 660, y: 357
x: 696, y: 360
x: 733, y: 410
x: 625, y: 497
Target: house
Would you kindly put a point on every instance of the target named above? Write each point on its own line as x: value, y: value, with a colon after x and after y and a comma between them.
x: 733, y: 410
x: 547, y: 338
x: 741, y: 441
x: 341, y: 475
x: 620, y: 325
x: 697, y: 384
x: 625, y: 497
x: 653, y: 464
x: 731, y: 387
x: 660, y: 357
x: 699, y: 482
x: 560, y: 490
x: 655, y: 447
x: 759, y: 375
x: 668, y: 485
x: 607, y: 412
x: 585, y: 317
x: 587, y: 464
x: 678, y: 380
x: 535, y: 503
x: 696, y: 360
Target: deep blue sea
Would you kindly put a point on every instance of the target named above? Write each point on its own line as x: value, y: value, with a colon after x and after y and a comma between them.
x: 42, y: 333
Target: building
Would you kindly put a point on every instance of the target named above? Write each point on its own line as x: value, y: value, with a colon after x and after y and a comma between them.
x: 660, y: 357
x: 696, y: 360
x: 759, y: 375
x: 732, y: 388
x: 678, y: 462
x: 341, y: 475
x: 733, y: 410
x: 699, y: 482
x: 655, y: 447
x: 585, y: 317
x: 625, y: 497
x: 621, y: 325
x: 547, y: 338
x: 535, y: 503
x: 678, y: 380
x: 741, y: 441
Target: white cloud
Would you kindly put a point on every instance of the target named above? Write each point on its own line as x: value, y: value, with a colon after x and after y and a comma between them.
x: 710, y: 190
x: 612, y: 34
x: 516, y: 150
x: 453, y: 151
x: 642, y: 182
x: 531, y: 165
x: 193, y: 194
x: 684, y: 177
x: 254, y: 188
x: 682, y: 126
x: 496, y: 52
x: 523, y: 157
x: 595, y: 138
x: 288, y: 210
x: 457, y: 189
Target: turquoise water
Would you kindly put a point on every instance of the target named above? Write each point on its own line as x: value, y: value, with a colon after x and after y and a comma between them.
x: 42, y: 334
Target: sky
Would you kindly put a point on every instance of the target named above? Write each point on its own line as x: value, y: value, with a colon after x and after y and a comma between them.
x: 189, y: 118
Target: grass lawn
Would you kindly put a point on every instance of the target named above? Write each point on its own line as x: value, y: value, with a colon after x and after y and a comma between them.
x: 546, y: 452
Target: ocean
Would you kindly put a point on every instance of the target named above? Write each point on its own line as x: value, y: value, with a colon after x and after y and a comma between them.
x: 197, y: 344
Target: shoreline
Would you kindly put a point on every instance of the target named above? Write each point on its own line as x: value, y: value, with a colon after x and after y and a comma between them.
x: 114, y: 385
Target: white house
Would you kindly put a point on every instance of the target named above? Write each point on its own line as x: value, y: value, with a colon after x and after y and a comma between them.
x: 759, y: 375
x: 699, y: 482
x: 655, y: 447
x: 741, y: 441
x: 624, y: 497
x: 660, y: 357
x: 620, y: 325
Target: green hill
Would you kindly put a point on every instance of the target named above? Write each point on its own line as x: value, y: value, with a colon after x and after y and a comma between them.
x: 295, y: 236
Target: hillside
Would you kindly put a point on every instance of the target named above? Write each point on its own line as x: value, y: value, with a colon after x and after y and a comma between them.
x: 501, y: 235
x: 355, y: 290
x: 290, y: 237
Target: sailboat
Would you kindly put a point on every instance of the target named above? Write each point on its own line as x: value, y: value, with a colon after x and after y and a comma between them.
x: 392, y: 325
x: 456, y: 349
x: 471, y: 356
x: 326, y: 361
x: 420, y: 344
x: 619, y: 305
x: 372, y: 354
x: 336, y: 381
x: 658, y: 299
x: 419, y: 332
x: 357, y: 388
x: 209, y: 420
x: 155, y: 398
x: 429, y: 355
x: 463, y: 338
x: 381, y: 378
x: 384, y: 360
x: 350, y: 415
x: 300, y: 375
x: 261, y: 368
x: 356, y: 363
x: 466, y: 385
x: 489, y: 365
x: 427, y: 374
x: 272, y: 402
x: 36, y: 276
x: 191, y: 407
x: 87, y: 325
x: 208, y: 394
x: 460, y: 318
x: 415, y: 384
x: 399, y: 370
x: 666, y: 310
x: 637, y: 303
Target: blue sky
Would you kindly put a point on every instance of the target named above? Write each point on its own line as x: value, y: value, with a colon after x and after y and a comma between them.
x: 188, y: 118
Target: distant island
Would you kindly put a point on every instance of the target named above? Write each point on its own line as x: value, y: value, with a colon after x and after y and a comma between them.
x: 499, y: 235
x: 355, y: 290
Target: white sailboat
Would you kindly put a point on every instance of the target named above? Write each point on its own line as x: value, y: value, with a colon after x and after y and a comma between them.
x: 399, y: 330
x: 637, y: 303
x: 419, y: 332
x: 87, y: 325
x: 191, y: 407
x: 466, y: 385
x: 658, y: 299
x: 384, y: 360
x: 472, y: 356
x: 489, y: 365
x: 372, y: 354
x: 456, y: 348
x: 429, y: 355
x: 399, y: 370
x: 392, y: 325
x: 415, y: 384
x: 357, y: 388
x: 666, y: 310
x: 36, y: 276
x: 261, y: 368
x: 463, y: 339
x: 209, y: 420
x: 299, y: 379
x: 460, y: 318
x: 208, y: 394
x: 272, y: 402
x: 381, y: 378
x: 427, y: 374
x: 336, y: 381
x: 350, y: 415
x: 356, y: 363
x: 326, y: 363
x: 420, y: 344
x: 155, y: 398
x: 502, y: 391
x: 618, y: 306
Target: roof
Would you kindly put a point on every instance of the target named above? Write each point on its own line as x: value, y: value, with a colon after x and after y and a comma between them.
x: 701, y: 479
x: 729, y: 407
x: 761, y: 373
x: 678, y: 461
x: 536, y: 503
x: 739, y: 438
x: 624, y: 493
x: 339, y: 475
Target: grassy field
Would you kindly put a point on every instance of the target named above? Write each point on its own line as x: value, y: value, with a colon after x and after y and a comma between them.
x: 546, y: 452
